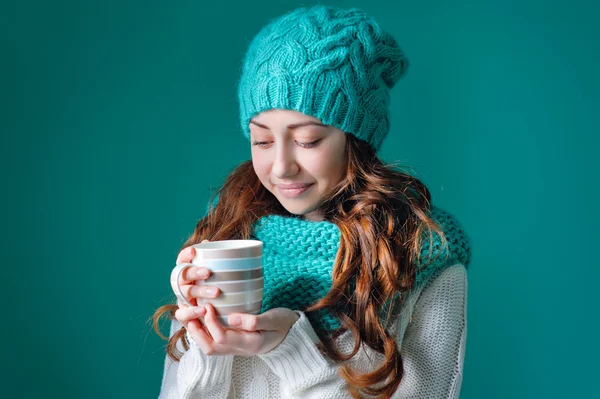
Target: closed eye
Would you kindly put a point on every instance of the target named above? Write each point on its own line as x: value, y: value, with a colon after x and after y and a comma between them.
x: 311, y: 144
x: 265, y: 144
x: 261, y: 143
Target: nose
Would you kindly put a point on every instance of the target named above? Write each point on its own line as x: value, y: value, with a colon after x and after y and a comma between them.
x: 284, y: 164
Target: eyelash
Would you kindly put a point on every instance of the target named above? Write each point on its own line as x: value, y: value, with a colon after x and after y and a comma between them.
x: 312, y: 144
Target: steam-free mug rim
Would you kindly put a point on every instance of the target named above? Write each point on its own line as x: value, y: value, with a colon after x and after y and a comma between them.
x: 228, y: 249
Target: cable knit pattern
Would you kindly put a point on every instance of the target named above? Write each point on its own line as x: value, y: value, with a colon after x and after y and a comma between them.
x: 335, y: 64
x: 298, y: 259
x: 432, y: 348
x: 299, y: 256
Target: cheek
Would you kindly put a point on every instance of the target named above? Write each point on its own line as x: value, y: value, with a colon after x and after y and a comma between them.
x: 325, y: 166
x: 330, y: 164
x: 261, y: 166
x: 337, y: 169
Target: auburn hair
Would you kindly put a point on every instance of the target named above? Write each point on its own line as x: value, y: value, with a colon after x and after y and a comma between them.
x: 383, y: 217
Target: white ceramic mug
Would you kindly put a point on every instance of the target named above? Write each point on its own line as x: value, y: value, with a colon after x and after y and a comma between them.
x: 236, y: 269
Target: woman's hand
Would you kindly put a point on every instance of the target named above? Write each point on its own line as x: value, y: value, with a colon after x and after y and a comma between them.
x: 253, y: 334
x: 188, y: 278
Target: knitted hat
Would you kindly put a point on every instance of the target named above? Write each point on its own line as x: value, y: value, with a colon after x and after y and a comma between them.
x: 334, y: 64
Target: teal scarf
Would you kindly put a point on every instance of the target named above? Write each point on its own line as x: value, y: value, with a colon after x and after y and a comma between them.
x: 299, y: 256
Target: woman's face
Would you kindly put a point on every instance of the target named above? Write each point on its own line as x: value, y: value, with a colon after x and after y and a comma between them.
x: 297, y: 158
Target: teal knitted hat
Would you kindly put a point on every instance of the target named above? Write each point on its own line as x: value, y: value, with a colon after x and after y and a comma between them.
x: 334, y: 64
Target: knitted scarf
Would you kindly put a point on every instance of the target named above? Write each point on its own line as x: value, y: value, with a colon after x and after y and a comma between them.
x: 299, y: 255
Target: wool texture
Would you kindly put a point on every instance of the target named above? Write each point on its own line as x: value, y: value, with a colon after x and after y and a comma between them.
x: 335, y: 64
x: 299, y: 256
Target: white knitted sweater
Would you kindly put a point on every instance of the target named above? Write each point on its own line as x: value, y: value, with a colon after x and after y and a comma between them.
x: 432, y: 346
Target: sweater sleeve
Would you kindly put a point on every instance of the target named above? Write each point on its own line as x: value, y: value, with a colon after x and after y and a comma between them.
x: 433, y: 347
x: 196, y: 375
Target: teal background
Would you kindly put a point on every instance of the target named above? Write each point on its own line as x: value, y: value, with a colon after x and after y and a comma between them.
x: 119, y: 118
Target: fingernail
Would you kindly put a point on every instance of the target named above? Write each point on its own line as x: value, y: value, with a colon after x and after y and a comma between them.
x: 203, y: 272
x: 211, y: 291
x: 199, y: 311
x: 235, y: 320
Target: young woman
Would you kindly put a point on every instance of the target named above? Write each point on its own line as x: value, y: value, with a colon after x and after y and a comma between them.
x: 365, y: 281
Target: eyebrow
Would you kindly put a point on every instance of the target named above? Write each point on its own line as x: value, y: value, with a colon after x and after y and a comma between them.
x: 291, y: 127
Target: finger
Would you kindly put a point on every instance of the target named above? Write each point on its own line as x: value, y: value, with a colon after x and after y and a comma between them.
x: 185, y: 296
x: 192, y: 291
x: 185, y: 315
x: 194, y: 273
x: 274, y: 319
x: 203, y: 291
x: 188, y: 277
x: 214, y: 326
x: 201, y: 337
x: 186, y: 255
x: 244, y: 321
x: 236, y: 342
x: 182, y: 290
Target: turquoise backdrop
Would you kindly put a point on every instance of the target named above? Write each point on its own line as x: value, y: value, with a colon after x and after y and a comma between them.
x: 118, y: 118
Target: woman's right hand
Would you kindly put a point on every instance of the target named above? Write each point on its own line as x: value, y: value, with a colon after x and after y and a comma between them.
x: 187, y: 282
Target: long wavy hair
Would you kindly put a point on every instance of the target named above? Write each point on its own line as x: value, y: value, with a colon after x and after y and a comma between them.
x: 382, y: 215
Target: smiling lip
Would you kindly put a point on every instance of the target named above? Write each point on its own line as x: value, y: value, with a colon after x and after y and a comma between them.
x: 292, y: 190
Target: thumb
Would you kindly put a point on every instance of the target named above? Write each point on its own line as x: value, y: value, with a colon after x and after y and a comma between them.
x: 186, y: 255
x: 271, y: 320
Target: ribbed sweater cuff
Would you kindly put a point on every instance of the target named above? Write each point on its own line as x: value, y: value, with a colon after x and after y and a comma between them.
x: 208, y: 371
x: 297, y: 360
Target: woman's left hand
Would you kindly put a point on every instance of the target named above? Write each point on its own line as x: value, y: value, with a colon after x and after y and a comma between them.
x: 250, y: 335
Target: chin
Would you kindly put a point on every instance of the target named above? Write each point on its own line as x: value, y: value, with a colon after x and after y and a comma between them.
x: 297, y: 209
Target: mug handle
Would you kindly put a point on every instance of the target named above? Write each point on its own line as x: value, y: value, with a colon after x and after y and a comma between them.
x: 178, y: 271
